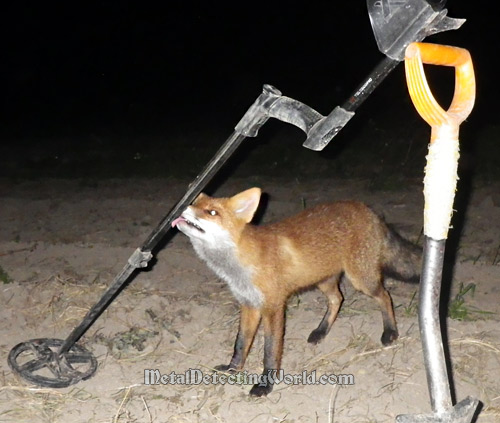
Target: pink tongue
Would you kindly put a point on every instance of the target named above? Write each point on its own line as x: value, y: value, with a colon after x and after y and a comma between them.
x: 177, y: 221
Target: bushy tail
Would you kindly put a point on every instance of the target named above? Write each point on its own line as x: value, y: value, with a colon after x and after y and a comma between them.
x: 402, y: 258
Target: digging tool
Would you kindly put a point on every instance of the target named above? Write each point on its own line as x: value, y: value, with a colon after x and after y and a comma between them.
x: 439, y: 191
x: 59, y: 363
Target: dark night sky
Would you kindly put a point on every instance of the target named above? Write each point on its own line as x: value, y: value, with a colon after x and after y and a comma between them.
x: 137, y: 69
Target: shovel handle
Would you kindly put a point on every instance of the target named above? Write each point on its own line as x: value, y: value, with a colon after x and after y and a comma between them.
x: 441, y: 176
x: 420, y: 93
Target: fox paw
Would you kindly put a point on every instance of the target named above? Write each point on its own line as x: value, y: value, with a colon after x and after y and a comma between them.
x: 261, y: 390
x: 389, y: 336
x: 316, y: 336
x: 226, y: 368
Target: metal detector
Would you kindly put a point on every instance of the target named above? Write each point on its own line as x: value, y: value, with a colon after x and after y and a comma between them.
x: 59, y: 363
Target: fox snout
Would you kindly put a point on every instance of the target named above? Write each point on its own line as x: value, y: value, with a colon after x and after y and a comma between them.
x: 189, y: 219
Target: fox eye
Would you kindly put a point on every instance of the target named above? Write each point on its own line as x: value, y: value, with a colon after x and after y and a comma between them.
x: 212, y: 212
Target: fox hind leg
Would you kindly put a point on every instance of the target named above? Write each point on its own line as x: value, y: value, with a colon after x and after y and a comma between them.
x: 384, y: 300
x: 371, y: 285
x: 330, y: 288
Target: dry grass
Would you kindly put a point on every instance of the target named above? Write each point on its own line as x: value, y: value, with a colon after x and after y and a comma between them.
x: 60, y: 300
x: 34, y: 404
x: 158, y: 334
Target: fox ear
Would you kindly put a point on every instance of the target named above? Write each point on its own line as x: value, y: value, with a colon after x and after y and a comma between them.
x: 245, y: 203
x: 201, y: 196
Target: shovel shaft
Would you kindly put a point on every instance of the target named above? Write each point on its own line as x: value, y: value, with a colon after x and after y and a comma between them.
x: 430, y: 327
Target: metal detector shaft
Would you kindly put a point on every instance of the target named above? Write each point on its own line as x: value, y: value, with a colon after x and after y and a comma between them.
x: 142, y: 255
x: 227, y: 149
x: 395, y: 25
x: 57, y: 357
x: 372, y: 81
x: 97, y: 309
x: 328, y: 127
x: 253, y: 119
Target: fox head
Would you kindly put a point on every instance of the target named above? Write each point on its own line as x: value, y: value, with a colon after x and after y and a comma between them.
x: 215, y: 222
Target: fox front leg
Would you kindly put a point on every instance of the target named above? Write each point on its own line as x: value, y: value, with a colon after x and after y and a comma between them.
x: 274, y: 328
x: 249, y: 323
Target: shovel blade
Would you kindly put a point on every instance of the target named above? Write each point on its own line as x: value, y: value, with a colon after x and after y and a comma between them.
x: 463, y: 412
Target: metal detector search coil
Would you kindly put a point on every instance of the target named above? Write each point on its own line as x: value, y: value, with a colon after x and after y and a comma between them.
x: 39, y: 362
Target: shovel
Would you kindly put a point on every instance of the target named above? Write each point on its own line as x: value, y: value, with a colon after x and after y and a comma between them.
x: 439, y: 191
x: 59, y: 363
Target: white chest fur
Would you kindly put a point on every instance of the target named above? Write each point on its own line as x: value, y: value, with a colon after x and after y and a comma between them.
x: 221, y: 258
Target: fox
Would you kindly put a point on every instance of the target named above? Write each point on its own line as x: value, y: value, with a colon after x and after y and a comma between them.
x: 263, y: 265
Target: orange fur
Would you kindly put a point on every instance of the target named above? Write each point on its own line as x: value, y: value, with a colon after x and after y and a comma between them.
x: 264, y: 265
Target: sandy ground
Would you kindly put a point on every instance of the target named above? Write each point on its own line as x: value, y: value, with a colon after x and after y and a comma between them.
x: 62, y: 242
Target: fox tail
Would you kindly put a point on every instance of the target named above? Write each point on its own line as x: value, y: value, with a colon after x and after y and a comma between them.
x: 401, y: 258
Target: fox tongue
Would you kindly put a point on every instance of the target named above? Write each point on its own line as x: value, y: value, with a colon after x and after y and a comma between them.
x: 177, y: 221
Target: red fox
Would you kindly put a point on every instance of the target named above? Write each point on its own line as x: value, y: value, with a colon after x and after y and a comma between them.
x: 264, y: 265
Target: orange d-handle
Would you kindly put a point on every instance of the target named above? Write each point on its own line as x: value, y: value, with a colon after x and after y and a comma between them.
x: 442, y: 161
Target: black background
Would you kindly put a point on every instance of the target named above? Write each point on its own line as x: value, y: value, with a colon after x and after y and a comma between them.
x: 136, y: 88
